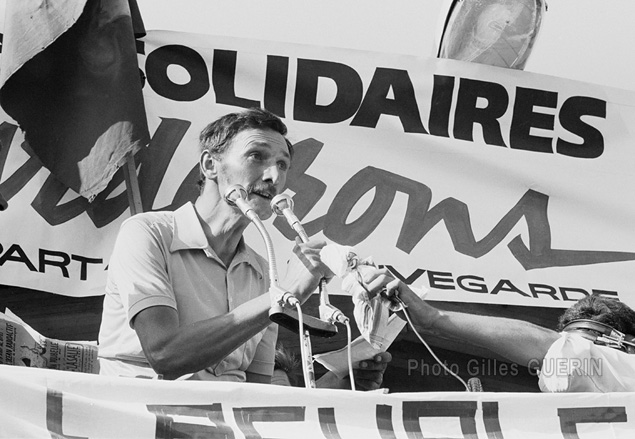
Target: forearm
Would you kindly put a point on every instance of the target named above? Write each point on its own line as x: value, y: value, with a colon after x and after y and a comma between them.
x: 516, y: 340
x: 191, y: 348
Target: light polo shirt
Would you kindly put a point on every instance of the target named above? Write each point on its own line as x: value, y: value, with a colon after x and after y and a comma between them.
x: 575, y: 364
x: 164, y: 259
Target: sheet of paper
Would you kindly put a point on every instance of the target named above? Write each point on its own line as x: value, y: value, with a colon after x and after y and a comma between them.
x: 337, y: 361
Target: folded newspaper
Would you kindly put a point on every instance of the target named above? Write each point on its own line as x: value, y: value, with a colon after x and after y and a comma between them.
x: 361, y: 348
x: 21, y: 345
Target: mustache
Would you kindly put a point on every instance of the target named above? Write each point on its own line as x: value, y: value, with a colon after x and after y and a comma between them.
x: 267, y: 189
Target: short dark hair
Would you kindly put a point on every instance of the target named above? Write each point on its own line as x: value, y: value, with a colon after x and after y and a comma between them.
x: 601, y: 309
x: 217, y: 135
x: 286, y: 361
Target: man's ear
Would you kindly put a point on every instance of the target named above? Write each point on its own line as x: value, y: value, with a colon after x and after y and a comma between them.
x: 209, y: 165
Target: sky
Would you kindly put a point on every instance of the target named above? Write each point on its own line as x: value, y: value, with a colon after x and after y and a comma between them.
x: 586, y: 40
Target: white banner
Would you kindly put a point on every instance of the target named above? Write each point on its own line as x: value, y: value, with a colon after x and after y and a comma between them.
x: 483, y: 184
x: 49, y: 403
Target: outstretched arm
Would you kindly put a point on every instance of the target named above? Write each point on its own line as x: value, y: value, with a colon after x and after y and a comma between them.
x: 517, y: 340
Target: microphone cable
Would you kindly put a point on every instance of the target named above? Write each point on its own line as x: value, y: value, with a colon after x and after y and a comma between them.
x: 350, y: 354
x: 446, y: 368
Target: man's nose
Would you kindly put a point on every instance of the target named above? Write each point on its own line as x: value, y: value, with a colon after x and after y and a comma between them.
x: 273, y: 174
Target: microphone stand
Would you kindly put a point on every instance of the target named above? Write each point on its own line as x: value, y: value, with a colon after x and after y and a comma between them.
x: 282, y: 309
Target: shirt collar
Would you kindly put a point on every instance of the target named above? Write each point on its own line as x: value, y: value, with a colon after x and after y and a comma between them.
x: 188, y: 232
x: 189, y: 235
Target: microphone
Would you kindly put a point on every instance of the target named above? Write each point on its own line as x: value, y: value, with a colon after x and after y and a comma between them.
x: 282, y: 205
x: 236, y: 195
x: 474, y: 385
x: 283, y: 309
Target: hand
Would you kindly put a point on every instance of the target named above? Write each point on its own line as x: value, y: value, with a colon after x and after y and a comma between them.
x: 369, y: 374
x: 382, y: 281
x: 305, y: 269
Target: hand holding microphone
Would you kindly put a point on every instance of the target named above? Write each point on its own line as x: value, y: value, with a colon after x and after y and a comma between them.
x: 236, y: 195
x: 285, y: 305
x: 282, y: 205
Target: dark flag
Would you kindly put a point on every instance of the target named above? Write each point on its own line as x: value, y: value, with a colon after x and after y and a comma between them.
x: 70, y: 79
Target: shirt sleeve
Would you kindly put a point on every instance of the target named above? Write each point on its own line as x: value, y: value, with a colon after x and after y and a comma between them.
x: 575, y: 364
x: 138, y: 268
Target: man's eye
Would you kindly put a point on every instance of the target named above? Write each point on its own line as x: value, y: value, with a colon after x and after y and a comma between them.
x: 256, y: 155
x: 283, y: 165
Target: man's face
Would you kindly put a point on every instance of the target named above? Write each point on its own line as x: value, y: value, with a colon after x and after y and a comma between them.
x: 258, y: 160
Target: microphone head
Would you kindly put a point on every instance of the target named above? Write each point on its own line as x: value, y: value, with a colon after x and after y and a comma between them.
x: 474, y: 385
x: 281, y: 202
x: 234, y: 193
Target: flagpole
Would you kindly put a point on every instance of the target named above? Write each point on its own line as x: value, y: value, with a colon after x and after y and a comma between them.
x: 130, y: 168
x: 132, y: 185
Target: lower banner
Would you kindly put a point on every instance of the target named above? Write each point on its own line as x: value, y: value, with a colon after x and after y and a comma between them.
x: 59, y: 404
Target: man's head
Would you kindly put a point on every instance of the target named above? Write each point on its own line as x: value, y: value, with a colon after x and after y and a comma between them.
x: 605, y: 310
x: 216, y: 136
x: 248, y: 149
